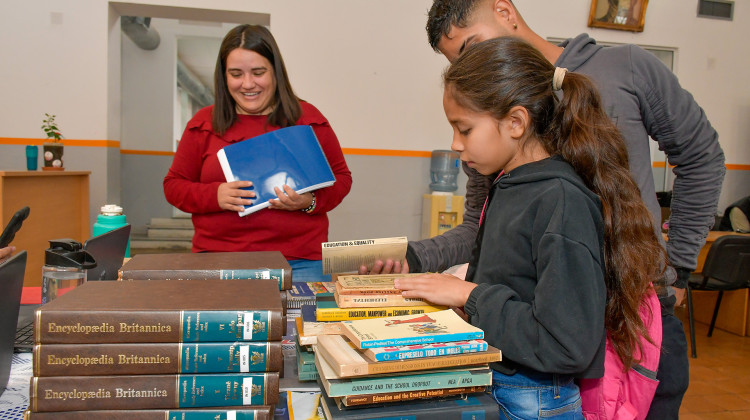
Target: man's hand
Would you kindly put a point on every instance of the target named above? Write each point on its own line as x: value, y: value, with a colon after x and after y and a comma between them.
x: 387, y: 267
x: 232, y: 197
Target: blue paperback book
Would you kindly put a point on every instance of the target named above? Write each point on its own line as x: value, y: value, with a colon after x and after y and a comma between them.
x: 288, y: 156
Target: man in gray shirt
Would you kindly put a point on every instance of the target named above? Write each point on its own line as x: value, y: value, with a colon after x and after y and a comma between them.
x: 643, y: 98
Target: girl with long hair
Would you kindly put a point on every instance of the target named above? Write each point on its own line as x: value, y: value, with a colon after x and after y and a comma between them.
x: 566, y: 250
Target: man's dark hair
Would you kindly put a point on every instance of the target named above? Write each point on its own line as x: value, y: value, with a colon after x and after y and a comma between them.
x: 446, y: 13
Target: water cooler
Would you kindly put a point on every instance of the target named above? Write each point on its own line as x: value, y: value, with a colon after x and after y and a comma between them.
x: 441, y: 209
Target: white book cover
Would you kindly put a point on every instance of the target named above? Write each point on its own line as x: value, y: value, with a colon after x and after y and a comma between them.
x: 348, y: 256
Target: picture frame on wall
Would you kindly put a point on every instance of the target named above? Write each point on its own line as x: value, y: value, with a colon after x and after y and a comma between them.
x: 624, y: 15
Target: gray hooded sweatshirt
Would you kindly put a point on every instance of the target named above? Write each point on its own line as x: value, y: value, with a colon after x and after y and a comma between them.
x: 644, y: 99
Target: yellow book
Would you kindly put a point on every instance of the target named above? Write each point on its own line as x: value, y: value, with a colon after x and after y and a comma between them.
x: 327, y: 310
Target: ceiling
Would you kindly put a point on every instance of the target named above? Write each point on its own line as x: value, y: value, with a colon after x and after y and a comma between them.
x: 199, y: 55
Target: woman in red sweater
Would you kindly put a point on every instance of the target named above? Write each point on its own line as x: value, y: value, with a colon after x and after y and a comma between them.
x: 253, y: 96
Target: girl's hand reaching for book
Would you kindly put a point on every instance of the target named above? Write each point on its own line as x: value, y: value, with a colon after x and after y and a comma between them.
x: 290, y: 200
x: 232, y: 197
x: 440, y: 289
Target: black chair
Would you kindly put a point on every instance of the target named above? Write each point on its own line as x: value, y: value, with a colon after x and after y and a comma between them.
x: 727, y: 267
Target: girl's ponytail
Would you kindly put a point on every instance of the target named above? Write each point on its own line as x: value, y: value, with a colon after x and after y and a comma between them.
x: 591, y: 143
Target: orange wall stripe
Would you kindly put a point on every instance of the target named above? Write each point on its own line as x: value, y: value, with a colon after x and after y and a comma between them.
x: 66, y: 142
x: 730, y: 166
x: 346, y: 150
x: 385, y: 152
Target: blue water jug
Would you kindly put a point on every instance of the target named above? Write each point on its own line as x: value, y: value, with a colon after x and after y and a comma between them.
x: 111, y: 218
x: 444, y: 165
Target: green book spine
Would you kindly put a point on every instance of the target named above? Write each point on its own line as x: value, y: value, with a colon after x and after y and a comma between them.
x: 306, y: 363
x: 220, y: 390
x: 212, y: 415
x: 225, y: 326
x: 478, y: 406
x: 260, y: 273
x: 410, y: 382
x: 308, y: 376
x: 234, y: 357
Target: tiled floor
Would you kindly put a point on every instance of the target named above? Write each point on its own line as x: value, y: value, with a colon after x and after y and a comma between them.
x: 719, y: 377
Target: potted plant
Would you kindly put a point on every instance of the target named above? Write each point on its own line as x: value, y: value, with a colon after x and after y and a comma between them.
x: 53, y: 149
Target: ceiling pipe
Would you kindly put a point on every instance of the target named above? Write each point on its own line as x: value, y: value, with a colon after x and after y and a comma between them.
x: 187, y: 80
x: 138, y: 29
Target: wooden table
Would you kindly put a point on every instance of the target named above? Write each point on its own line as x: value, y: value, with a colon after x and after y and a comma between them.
x: 59, y: 203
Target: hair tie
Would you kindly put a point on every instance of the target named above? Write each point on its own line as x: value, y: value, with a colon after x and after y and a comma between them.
x: 557, y: 79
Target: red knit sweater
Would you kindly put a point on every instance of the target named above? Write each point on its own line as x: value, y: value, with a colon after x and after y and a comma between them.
x: 192, y: 183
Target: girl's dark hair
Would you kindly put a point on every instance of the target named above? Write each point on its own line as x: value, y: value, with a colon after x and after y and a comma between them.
x: 287, y: 109
x: 498, y: 74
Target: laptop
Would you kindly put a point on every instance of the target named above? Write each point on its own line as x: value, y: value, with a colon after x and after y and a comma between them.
x: 108, y: 250
x: 11, y: 284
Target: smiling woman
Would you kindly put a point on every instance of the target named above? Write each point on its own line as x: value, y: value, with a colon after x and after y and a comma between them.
x: 251, y: 82
x: 253, y: 96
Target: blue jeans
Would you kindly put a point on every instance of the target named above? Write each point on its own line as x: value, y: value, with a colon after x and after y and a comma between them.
x: 308, y: 270
x: 536, y: 395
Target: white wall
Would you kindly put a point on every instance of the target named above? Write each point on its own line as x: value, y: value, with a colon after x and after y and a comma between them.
x: 711, y: 59
x: 366, y: 64
x: 54, y: 57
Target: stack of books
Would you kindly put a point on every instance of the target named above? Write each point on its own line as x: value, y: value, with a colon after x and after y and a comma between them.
x: 309, y: 328
x: 305, y: 356
x: 355, y: 297
x: 259, y: 265
x: 368, y: 296
x: 351, y: 297
x: 432, y: 365
x: 302, y: 294
x: 159, y: 349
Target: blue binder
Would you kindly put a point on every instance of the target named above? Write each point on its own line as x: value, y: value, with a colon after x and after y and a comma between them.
x: 290, y: 155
